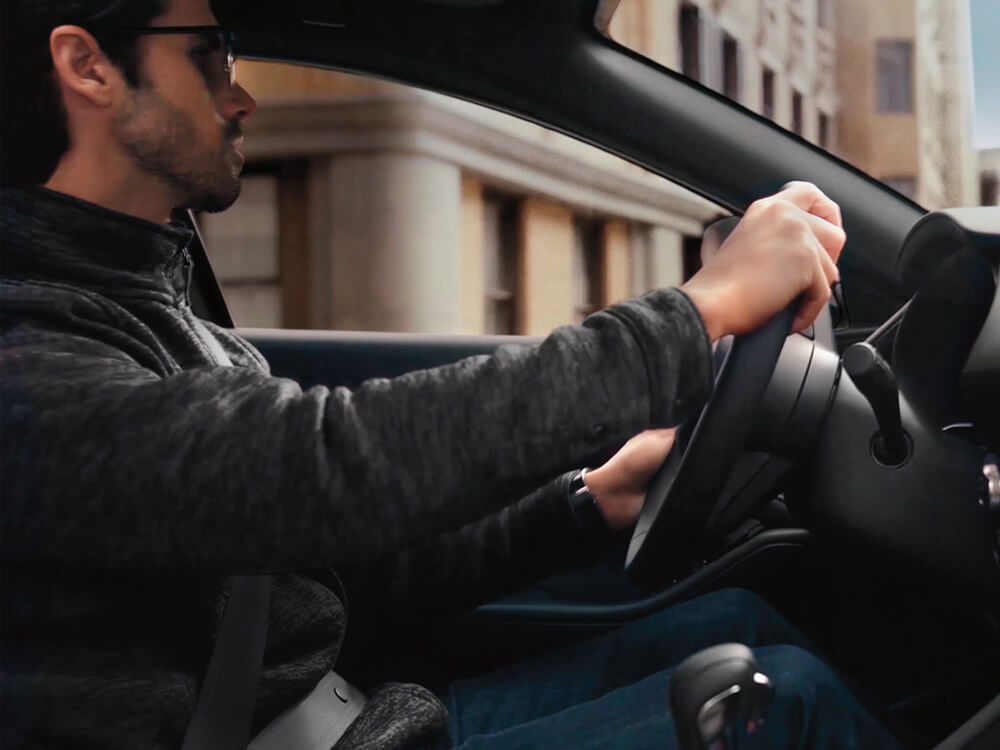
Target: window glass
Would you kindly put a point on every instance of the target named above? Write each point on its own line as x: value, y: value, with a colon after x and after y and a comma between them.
x: 372, y: 206
x: 731, y: 68
x: 989, y: 188
x: 895, y: 76
x: 587, y: 266
x: 824, y: 13
x: 690, y: 42
x: 500, y: 250
x: 893, y: 87
x: 823, y: 138
x: 797, y: 105
x: 767, y: 93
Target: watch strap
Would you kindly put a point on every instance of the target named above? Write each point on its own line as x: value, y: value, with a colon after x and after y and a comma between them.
x: 581, y: 501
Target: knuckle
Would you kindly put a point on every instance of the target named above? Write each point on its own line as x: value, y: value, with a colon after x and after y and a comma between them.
x: 780, y: 211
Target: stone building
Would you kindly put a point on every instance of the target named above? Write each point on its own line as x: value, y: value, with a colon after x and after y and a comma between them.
x: 775, y: 57
x: 373, y: 206
x: 905, y: 87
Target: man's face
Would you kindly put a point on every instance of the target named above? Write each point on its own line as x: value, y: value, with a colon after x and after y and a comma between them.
x: 182, y: 124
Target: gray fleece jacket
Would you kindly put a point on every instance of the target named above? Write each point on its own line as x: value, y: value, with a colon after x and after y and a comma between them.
x: 139, y: 474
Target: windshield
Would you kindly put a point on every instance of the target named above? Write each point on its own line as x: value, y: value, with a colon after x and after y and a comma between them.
x: 901, y: 89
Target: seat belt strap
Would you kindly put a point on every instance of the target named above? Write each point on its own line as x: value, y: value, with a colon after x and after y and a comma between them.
x: 223, y: 714
x: 224, y: 711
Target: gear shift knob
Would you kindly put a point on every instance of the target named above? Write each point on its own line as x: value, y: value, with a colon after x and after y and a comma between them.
x: 714, y: 691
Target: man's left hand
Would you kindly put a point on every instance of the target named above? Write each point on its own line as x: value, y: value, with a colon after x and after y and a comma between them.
x: 619, y: 485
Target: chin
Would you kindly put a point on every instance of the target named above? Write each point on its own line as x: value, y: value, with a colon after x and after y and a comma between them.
x: 218, y: 198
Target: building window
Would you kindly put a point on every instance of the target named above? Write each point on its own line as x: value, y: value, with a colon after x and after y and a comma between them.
x: 730, y: 67
x: 767, y: 98
x: 244, y: 247
x: 824, y: 14
x: 989, y: 188
x: 905, y: 185
x: 797, y: 113
x: 894, y: 92
x: 587, y: 266
x: 691, y: 250
x: 824, y: 130
x: 690, y: 30
x: 501, y: 215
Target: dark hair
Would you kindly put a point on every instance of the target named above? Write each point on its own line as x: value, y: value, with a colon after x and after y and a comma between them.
x: 33, y: 129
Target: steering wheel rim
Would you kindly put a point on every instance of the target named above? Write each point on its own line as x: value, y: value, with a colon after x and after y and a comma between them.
x: 684, y: 492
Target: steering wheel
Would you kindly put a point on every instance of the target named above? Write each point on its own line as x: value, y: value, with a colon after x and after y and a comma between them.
x: 684, y: 493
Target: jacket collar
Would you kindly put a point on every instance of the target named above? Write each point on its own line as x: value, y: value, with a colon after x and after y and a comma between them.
x: 56, y: 236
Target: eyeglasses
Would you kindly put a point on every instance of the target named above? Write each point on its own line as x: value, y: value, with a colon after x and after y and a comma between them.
x: 215, y: 59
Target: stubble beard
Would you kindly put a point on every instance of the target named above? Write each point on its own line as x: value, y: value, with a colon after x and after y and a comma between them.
x: 163, y: 143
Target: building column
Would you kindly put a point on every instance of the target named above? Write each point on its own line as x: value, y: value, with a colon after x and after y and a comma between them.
x: 545, y: 297
x: 616, y: 266
x: 390, y: 229
x: 473, y: 282
x: 666, y: 251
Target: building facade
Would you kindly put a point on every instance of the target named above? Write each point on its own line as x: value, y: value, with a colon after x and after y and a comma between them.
x: 905, y: 83
x: 374, y: 206
x: 775, y: 57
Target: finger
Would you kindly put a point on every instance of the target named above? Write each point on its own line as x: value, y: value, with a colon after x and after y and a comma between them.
x: 830, y: 270
x: 814, y: 299
x: 830, y: 236
x: 810, y: 198
x: 664, y: 433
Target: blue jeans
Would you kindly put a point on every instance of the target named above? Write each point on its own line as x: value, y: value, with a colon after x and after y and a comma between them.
x: 612, y: 691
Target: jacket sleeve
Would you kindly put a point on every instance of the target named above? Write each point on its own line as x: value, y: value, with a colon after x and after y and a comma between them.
x: 106, y: 463
x: 479, y: 562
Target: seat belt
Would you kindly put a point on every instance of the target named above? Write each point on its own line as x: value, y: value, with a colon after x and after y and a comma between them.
x: 224, y: 711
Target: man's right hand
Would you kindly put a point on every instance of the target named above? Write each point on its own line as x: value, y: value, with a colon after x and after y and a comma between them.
x: 785, y: 246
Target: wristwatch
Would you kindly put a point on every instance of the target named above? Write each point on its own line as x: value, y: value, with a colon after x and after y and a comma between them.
x: 584, y: 507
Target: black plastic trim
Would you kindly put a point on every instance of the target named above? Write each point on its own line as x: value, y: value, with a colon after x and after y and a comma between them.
x: 346, y: 358
x: 697, y: 582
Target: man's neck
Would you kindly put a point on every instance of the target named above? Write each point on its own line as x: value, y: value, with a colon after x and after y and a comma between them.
x: 113, y: 183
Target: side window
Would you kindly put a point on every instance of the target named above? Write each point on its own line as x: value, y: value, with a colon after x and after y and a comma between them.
x: 372, y: 206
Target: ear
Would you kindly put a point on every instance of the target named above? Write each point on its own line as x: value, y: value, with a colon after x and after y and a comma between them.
x: 81, y: 66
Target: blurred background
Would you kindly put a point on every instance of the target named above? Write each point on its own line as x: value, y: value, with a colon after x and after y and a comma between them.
x: 373, y: 206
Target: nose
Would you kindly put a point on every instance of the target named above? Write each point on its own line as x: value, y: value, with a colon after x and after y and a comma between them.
x: 239, y: 105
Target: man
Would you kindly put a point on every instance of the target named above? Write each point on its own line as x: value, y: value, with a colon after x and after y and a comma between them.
x: 148, y: 456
